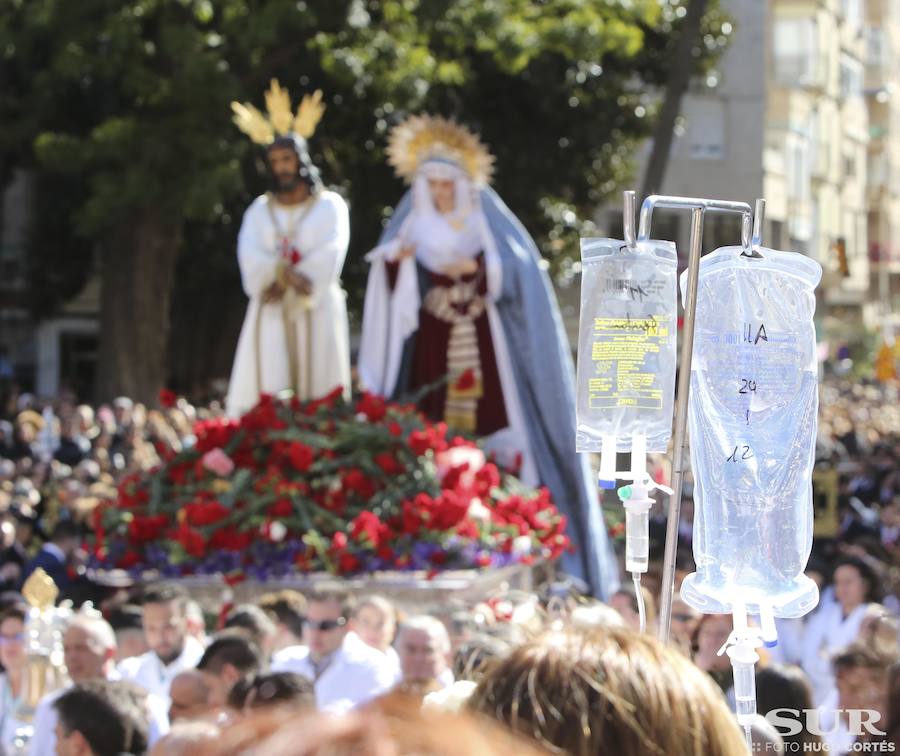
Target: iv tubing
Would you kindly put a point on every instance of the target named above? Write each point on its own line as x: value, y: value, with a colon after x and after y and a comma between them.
x: 642, y: 610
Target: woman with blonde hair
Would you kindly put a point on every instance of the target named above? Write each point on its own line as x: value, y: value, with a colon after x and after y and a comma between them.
x: 609, y: 691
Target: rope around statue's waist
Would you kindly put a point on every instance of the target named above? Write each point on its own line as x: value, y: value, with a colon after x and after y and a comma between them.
x: 455, y: 304
x: 296, y: 304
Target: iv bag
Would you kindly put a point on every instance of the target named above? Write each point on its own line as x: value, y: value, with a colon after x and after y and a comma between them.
x: 626, y: 343
x: 752, y: 412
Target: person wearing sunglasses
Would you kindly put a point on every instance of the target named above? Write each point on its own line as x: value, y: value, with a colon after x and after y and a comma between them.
x: 344, y: 670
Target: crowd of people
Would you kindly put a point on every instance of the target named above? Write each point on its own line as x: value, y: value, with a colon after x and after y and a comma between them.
x: 149, y: 670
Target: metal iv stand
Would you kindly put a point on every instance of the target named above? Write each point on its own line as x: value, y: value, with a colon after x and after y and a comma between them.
x: 750, y: 241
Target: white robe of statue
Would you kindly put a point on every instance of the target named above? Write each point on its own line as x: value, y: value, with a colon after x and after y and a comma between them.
x: 299, y: 343
x: 391, y: 316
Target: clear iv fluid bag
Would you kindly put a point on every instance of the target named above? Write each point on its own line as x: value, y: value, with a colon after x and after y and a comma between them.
x: 752, y: 413
x: 626, y: 343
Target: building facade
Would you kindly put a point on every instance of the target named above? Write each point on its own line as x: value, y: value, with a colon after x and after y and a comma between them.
x: 790, y: 115
x: 41, y: 356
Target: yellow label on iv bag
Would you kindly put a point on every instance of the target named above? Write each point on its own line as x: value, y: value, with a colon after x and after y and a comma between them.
x: 626, y: 344
x: 619, y: 351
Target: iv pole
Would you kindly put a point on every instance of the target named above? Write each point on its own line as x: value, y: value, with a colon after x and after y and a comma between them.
x: 698, y: 208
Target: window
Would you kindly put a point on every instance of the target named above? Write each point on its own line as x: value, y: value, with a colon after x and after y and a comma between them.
x: 875, y: 48
x: 851, y: 77
x: 798, y: 168
x: 796, y: 52
x: 851, y: 10
x: 706, y: 129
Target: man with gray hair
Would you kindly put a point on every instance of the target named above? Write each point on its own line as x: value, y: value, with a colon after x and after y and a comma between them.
x: 89, y: 649
x: 423, y: 646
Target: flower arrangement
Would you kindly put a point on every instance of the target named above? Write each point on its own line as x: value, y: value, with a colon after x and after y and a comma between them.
x: 328, y: 485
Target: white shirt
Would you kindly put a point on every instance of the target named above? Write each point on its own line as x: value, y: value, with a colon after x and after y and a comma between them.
x: 357, y: 674
x: 43, y: 741
x: 152, y: 675
x: 827, y: 633
x: 394, y: 661
x: 9, y: 714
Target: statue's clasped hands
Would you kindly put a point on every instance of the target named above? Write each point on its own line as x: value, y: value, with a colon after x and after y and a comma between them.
x: 287, y: 279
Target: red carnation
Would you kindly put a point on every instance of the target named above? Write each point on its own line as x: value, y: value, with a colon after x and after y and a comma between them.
x: 448, y: 512
x: 144, y: 529
x: 412, y: 514
x: 486, y: 479
x: 389, y: 463
x: 191, y: 540
x: 347, y: 563
x: 466, y: 380
x: 467, y: 529
x: 230, y: 540
x: 373, y: 407
x: 339, y: 541
x: 200, y: 513
x: 356, y: 481
x: 367, y: 524
x: 128, y: 560
x: 167, y: 398
x: 336, y: 502
x: 178, y: 474
x: 301, y: 456
x: 281, y: 508
x: 329, y: 400
x: 432, y: 438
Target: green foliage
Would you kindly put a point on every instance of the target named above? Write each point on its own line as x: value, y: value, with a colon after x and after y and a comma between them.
x: 129, y: 99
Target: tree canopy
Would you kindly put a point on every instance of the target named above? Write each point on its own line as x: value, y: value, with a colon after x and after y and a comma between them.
x: 121, y: 108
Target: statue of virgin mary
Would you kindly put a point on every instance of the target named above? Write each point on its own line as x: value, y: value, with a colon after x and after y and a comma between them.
x: 456, y: 291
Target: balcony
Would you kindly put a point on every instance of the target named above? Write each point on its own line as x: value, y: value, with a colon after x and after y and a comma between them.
x: 801, y: 71
x: 798, y: 61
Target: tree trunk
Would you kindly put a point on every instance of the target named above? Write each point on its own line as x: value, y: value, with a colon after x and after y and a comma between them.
x: 138, y: 271
x: 680, y: 72
x: 206, y: 326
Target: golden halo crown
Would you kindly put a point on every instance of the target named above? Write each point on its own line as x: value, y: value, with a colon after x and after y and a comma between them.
x: 281, y: 120
x: 420, y: 138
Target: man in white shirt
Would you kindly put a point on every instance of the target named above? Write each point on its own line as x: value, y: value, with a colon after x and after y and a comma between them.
x: 172, y: 650
x: 423, y: 646
x: 344, y: 670
x: 230, y: 658
x: 89, y: 648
